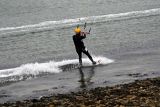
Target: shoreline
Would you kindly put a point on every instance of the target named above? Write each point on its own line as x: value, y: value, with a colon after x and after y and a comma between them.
x: 138, y: 93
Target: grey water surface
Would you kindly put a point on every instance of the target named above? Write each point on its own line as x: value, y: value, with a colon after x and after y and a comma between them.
x: 133, y: 44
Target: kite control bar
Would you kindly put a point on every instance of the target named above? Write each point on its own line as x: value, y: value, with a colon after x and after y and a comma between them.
x: 85, y: 25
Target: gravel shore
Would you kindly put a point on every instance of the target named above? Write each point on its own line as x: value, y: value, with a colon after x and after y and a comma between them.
x: 141, y: 93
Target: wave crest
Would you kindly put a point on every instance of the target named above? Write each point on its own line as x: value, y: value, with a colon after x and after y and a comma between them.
x: 36, y: 69
x: 49, y: 25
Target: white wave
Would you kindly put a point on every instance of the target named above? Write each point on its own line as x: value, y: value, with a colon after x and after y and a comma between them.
x: 86, y: 61
x: 48, y: 25
x: 48, y: 67
x: 30, y: 69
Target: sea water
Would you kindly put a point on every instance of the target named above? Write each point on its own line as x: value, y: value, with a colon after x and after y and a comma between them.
x: 36, y: 43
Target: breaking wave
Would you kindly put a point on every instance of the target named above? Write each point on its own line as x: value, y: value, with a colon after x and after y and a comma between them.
x: 36, y: 69
x: 49, y: 25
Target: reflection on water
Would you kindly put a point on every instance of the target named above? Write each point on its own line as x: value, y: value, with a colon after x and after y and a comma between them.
x: 86, y: 81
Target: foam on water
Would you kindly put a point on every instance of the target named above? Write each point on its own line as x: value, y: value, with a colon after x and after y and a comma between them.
x: 36, y: 69
x: 48, y: 25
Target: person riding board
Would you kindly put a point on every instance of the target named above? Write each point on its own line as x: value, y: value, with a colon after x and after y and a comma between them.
x: 79, y: 45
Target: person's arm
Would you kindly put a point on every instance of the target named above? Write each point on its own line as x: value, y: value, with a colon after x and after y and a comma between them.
x: 85, y: 32
x: 83, y: 35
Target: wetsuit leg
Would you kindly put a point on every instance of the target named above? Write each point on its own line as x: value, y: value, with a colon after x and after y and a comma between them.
x: 87, y: 53
x: 80, y: 57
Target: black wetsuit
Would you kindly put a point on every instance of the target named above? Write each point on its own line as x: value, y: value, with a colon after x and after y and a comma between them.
x: 79, y: 45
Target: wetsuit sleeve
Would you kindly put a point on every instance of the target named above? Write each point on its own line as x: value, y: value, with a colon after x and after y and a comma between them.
x: 83, y: 36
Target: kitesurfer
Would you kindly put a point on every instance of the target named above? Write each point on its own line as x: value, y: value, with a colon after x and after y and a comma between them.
x: 79, y: 45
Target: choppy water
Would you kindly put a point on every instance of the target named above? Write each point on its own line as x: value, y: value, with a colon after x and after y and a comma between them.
x: 37, y: 55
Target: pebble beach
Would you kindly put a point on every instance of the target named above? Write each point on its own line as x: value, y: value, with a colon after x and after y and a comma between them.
x: 141, y: 93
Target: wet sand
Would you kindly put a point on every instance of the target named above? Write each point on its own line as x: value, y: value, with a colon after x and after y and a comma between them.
x: 141, y: 93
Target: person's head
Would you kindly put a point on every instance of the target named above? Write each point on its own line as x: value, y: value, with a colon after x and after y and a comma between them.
x: 77, y: 30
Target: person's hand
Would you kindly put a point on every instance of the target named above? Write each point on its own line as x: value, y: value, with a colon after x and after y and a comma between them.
x: 84, y: 33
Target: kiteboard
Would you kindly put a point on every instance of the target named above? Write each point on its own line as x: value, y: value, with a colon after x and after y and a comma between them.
x: 71, y: 66
x: 98, y: 63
